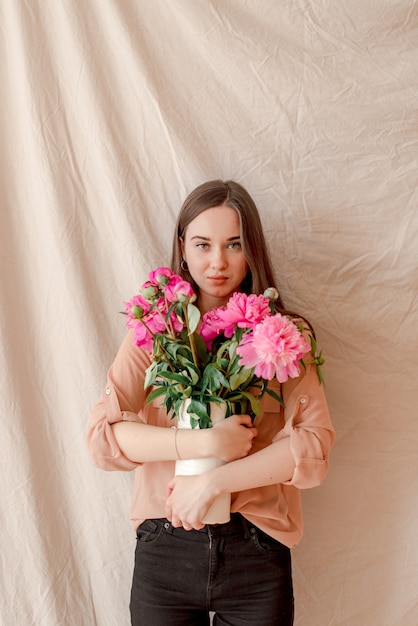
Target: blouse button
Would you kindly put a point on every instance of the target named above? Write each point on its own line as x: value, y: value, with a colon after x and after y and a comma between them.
x: 107, y: 392
x: 302, y: 400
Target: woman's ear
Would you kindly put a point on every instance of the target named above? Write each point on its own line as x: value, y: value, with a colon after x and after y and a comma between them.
x: 181, y: 240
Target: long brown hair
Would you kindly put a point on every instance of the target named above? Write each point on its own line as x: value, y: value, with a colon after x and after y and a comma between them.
x: 229, y: 193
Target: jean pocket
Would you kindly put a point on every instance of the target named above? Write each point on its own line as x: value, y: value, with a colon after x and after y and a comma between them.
x: 150, y: 531
x: 267, y: 544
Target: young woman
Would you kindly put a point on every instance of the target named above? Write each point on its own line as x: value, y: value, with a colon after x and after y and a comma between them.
x: 240, y: 570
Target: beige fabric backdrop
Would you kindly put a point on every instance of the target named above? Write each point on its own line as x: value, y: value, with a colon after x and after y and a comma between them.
x: 111, y: 111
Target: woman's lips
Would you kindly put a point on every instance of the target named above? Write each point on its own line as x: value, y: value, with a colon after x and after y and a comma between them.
x: 217, y: 280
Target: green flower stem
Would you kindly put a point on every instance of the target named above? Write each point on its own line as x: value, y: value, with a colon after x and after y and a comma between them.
x: 162, y: 347
x: 318, y: 361
x: 147, y: 327
x: 191, y: 336
x: 167, y: 323
x: 224, y: 391
x: 231, y: 361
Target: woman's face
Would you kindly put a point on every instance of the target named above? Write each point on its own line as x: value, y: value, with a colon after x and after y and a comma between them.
x: 212, y: 249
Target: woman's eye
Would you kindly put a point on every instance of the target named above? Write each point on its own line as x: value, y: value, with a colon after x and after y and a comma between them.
x: 202, y: 246
x: 235, y: 245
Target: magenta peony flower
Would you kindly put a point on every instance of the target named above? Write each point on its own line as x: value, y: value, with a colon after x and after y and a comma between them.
x: 136, y: 308
x: 176, y: 323
x: 147, y: 322
x: 160, y: 276
x: 243, y: 310
x: 211, y: 326
x: 155, y: 319
x: 273, y: 349
x: 179, y: 290
x: 149, y: 290
x: 142, y: 338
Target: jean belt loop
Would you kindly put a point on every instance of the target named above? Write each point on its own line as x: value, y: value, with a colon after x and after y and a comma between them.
x: 245, y: 527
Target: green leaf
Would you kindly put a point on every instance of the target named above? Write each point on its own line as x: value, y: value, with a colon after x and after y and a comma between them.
x: 255, y: 404
x: 213, y: 378
x: 193, y: 371
x: 170, y: 310
x: 276, y: 396
x: 202, y: 350
x: 222, y: 350
x: 178, y: 378
x: 234, y: 366
x: 168, y: 403
x: 319, y: 371
x: 241, y: 377
x: 155, y: 393
x: 193, y: 315
x: 239, y: 332
x: 222, y: 364
x: 150, y: 374
x: 172, y: 350
x: 198, y: 408
x: 232, y: 349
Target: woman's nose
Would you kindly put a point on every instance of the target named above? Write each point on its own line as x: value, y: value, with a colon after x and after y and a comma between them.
x: 218, y: 259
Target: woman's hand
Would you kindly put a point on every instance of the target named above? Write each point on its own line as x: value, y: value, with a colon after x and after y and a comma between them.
x: 232, y: 438
x: 188, y: 500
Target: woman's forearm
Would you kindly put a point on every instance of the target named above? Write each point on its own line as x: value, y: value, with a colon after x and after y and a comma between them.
x: 144, y: 443
x: 270, y: 466
x: 229, y: 439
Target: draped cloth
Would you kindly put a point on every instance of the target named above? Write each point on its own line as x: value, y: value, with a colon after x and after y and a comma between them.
x: 111, y: 111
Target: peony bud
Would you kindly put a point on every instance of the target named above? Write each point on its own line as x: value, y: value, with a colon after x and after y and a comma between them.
x: 137, y: 312
x: 180, y: 291
x: 162, y: 280
x: 149, y: 291
x: 160, y: 276
x: 271, y: 294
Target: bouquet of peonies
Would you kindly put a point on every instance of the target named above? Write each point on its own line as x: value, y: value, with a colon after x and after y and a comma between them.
x: 226, y: 356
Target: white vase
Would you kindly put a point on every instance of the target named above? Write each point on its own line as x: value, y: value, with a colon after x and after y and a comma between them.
x: 220, y: 510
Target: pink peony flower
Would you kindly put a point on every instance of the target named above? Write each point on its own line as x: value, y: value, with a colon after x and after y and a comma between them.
x: 176, y: 323
x: 149, y: 290
x: 160, y: 276
x: 211, y: 327
x: 273, y: 349
x: 155, y: 319
x: 147, y: 322
x: 142, y: 338
x: 136, y: 308
x: 179, y: 290
x: 243, y: 310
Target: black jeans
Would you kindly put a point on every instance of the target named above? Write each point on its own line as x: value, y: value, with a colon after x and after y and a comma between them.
x: 233, y: 569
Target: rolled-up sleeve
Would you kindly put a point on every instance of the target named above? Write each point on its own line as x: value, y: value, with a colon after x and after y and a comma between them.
x: 122, y: 400
x: 309, y: 427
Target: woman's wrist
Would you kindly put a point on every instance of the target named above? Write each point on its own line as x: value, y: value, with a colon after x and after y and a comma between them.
x: 214, y: 481
x: 194, y: 443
